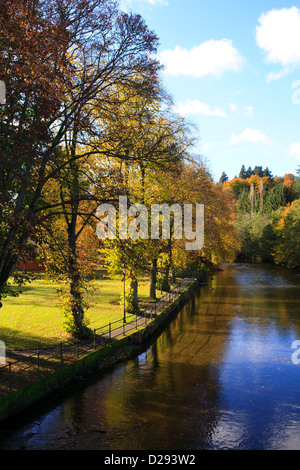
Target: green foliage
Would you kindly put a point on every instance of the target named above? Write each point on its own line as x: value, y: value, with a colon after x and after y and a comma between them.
x: 269, y: 226
x: 14, y: 287
x: 277, y: 197
x: 129, y: 299
x: 244, y: 206
x: 257, y: 236
x: 238, y: 186
x: 71, y: 304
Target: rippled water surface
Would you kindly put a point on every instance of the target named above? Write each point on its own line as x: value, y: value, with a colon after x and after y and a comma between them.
x: 220, y: 377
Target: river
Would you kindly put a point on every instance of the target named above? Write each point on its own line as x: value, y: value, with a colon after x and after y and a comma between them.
x: 223, y: 375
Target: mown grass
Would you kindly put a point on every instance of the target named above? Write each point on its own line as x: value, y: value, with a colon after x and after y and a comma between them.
x: 35, y: 319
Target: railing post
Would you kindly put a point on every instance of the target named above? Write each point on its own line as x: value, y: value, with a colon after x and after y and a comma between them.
x: 109, y: 326
x: 9, y: 375
x: 38, y: 360
x: 61, y: 353
x: 94, y: 338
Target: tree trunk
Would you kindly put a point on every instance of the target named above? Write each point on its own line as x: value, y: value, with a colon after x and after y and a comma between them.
x: 252, y: 199
x: 153, y: 279
x: 76, y: 301
x: 261, y: 192
x: 173, y: 275
x: 76, y: 304
x: 165, y: 283
x: 133, y: 308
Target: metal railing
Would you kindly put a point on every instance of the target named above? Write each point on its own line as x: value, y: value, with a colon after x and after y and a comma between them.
x: 25, y: 366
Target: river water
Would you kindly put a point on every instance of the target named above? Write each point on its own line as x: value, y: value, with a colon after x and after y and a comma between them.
x: 223, y: 375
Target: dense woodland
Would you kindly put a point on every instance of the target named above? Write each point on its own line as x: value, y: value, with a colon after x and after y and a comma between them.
x: 267, y: 214
x: 87, y: 120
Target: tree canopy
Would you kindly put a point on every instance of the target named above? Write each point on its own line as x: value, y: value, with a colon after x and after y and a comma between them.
x: 265, y: 212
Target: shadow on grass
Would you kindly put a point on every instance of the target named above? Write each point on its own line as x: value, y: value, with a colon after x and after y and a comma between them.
x: 16, y: 340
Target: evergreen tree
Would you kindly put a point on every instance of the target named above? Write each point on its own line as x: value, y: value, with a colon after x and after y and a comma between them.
x: 258, y: 171
x: 243, y: 173
x: 223, y: 178
x: 277, y: 197
x: 249, y: 172
x: 244, y: 205
x: 267, y: 173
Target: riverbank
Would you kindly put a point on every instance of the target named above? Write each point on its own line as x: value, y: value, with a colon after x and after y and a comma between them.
x: 114, y: 352
x: 35, y: 319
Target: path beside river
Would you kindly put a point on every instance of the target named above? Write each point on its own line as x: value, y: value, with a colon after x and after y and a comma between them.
x: 221, y: 376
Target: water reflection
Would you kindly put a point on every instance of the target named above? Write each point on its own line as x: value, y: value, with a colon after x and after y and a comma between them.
x: 219, y: 377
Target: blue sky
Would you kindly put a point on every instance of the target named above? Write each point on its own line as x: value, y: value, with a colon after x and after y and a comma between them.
x: 233, y: 68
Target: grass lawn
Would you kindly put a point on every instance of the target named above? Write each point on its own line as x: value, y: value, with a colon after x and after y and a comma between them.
x: 35, y: 319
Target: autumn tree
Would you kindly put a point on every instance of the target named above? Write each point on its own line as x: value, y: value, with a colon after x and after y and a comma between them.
x: 193, y: 185
x: 86, y: 49
x: 149, y: 139
x: 34, y: 67
x: 287, y: 251
x: 297, y: 183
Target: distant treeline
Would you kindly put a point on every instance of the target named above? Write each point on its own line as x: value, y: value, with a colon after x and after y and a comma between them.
x: 267, y: 214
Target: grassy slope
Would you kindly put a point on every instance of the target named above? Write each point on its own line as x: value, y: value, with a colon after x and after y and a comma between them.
x: 35, y: 318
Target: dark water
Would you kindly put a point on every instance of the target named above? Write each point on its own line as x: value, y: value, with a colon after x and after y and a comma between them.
x: 220, y: 377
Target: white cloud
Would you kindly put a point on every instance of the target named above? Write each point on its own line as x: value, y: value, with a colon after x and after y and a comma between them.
x: 295, y: 150
x: 249, y: 111
x: 279, y: 36
x: 196, y: 107
x: 254, y: 136
x: 276, y: 76
x: 210, y: 58
x: 233, y: 108
x: 245, y: 110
